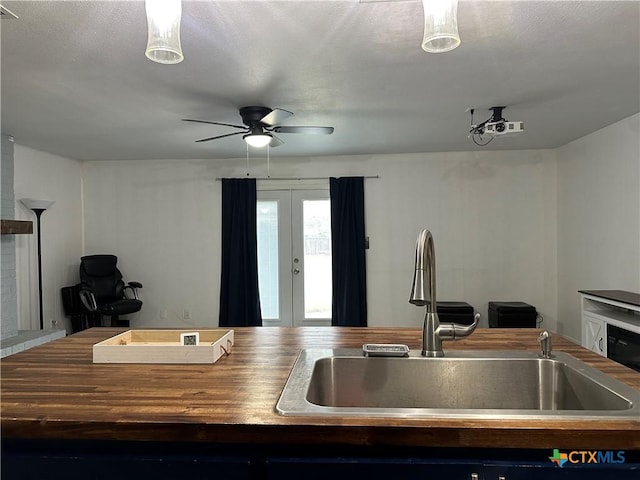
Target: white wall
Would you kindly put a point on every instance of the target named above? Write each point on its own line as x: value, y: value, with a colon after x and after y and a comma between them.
x: 598, y: 217
x: 492, y: 215
x: 506, y: 225
x: 42, y: 175
x: 162, y: 220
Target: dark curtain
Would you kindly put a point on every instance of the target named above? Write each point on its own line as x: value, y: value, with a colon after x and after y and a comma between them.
x: 239, y: 297
x: 349, y: 307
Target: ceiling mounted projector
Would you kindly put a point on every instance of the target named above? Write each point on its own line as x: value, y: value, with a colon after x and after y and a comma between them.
x: 495, y: 126
x: 504, y: 128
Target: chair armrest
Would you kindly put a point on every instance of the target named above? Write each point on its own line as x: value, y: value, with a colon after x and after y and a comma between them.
x: 88, y: 300
x: 133, y: 286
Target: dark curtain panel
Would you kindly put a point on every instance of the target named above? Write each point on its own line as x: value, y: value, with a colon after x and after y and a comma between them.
x: 239, y: 297
x: 349, y: 307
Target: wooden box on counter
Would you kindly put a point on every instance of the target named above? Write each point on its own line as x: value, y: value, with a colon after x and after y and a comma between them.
x: 164, y: 346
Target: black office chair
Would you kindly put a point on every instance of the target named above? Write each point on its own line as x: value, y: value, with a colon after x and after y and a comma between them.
x: 102, y: 291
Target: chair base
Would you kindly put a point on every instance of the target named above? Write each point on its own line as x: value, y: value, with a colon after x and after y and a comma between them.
x: 119, y: 322
x: 94, y: 319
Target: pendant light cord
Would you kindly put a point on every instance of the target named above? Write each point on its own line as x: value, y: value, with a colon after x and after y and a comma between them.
x: 247, y: 159
x: 268, y: 161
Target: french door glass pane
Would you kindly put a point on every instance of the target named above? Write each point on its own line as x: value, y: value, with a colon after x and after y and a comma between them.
x: 267, y: 219
x: 317, y: 258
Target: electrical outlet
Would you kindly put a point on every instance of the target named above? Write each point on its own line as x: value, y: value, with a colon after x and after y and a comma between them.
x: 186, y: 314
x: 163, y: 313
x: 54, y: 324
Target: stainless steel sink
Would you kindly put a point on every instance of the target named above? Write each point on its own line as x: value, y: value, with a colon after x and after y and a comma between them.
x: 477, y: 384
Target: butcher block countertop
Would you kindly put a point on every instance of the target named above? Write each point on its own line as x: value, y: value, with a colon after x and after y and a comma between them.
x: 55, y: 391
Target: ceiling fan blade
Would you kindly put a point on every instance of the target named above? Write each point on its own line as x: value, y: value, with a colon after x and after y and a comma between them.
x: 221, y: 136
x: 307, y: 130
x: 214, y: 123
x: 276, y: 116
x: 275, y: 142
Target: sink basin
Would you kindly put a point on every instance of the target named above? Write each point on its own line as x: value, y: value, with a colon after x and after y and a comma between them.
x: 479, y: 384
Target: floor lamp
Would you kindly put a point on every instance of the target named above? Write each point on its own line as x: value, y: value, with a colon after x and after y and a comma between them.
x: 38, y: 206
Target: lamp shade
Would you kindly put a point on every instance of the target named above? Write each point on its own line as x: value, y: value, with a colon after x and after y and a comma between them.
x: 37, y: 203
x: 258, y: 140
x: 440, y: 25
x: 163, y: 21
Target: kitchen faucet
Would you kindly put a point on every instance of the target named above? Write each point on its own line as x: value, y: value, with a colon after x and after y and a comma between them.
x: 423, y: 293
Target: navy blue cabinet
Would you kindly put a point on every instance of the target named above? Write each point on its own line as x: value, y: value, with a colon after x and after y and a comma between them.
x: 108, y: 460
x: 121, y: 467
x: 448, y: 467
x: 104, y: 462
x: 552, y: 472
x: 370, y: 469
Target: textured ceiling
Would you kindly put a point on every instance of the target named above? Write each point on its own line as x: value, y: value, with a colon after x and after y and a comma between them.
x: 75, y: 81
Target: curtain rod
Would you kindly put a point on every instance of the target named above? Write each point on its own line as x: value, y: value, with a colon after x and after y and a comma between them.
x: 298, y: 178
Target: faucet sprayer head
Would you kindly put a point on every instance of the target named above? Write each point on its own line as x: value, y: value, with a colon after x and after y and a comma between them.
x: 418, y: 289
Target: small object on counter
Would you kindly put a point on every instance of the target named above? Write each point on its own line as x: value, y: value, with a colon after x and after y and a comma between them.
x: 385, y: 350
x: 205, y: 345
x: 512, y: 315
x: 190, y: 338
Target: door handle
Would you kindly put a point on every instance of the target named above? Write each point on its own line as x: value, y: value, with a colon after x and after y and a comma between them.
x: 296, y: 271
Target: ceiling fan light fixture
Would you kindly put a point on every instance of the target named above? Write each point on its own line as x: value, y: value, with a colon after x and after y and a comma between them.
x: 440, y: 26
x: 257, y: 140
x: 163, y: 21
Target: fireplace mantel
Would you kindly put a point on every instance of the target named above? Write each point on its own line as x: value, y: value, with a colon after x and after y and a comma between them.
x: 16, y: 227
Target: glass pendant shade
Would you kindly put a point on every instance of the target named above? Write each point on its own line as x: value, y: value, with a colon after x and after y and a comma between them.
x: 257, y: 140
x: 163, y: 20
x: 440, y: 25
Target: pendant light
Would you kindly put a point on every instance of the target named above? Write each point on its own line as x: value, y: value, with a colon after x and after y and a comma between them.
x: 163, y: 20
x: 440, y: 25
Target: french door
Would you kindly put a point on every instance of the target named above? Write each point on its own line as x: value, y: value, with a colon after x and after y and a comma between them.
x: 294, y: 257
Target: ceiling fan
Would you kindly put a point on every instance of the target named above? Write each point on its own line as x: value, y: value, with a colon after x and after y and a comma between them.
x: 260, y: 124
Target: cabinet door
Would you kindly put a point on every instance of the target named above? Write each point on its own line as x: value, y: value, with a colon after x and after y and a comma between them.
x: 594, y: 334
x: 540, y: 472
x: 370, y: 469
x: 120, y: 466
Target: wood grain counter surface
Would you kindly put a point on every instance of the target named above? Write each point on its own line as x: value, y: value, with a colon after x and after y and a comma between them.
x: 54, y: 391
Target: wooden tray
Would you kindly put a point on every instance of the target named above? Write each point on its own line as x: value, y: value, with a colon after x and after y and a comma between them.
x: 163, y: 346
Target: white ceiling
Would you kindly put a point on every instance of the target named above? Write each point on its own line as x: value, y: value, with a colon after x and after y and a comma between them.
x: 75, y: 81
